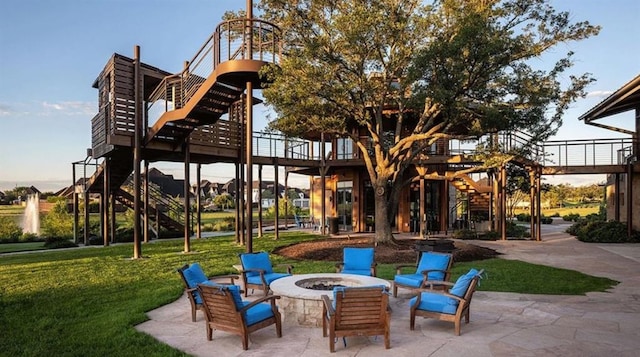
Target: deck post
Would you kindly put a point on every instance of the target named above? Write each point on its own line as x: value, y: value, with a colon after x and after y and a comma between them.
x: 187, y: 203
x: 503, y: 202
x: 260, y: 201
x: 249, y: 167
x: 76, y: 218
x: 104, y: 218
x: 275, y: 190
x: 538, y: 204
x: 532, y: 202
x: 137, y: 153
x: 145, y: 231
x: 198, y: 203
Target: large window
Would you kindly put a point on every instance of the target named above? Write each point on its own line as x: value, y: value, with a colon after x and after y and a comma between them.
x: 344, y: 149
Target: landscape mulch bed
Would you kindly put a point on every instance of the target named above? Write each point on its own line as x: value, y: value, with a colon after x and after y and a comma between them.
x: 402, y: 252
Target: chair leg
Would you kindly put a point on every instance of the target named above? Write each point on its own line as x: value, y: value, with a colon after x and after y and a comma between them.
x: 209, y: 332
x: 245, y: 341
x: 457, y: 327
x: 387, y: 338
x: 332, y: 343
x: 395, y: 290
x: 193, y: 313
x: 278, y: 327
x: 412, y: 322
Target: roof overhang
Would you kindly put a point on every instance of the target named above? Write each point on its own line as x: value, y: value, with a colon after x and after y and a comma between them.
x: 624, y: 99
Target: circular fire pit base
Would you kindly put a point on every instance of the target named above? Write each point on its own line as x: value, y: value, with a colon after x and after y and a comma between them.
x: 303, y: 306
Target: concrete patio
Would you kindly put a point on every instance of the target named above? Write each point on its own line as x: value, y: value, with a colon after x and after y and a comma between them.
x: 502, y: 324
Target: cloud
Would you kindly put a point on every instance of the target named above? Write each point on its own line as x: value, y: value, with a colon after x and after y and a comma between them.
x: 69, y: 108
x: 599, y: 94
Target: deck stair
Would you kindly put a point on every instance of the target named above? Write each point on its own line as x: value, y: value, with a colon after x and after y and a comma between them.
x: 479, y: 194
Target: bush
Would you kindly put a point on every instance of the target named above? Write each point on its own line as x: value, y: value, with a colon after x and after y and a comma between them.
x: 516, y: 231
x: 571, y: 217
x: 225, y: 224
x: 58, y: 242
x: 556, y: 214
x: 595, y: 231
x: 465, y: 234
x: 546, y: 220
x: 523, y: 217
x: 10, y: 231
x: 58, y: 223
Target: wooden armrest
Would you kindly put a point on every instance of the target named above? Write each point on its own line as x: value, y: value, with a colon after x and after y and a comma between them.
x: 419, y: 296
x: 327, y: 304
x: 288, y: 266
x: 431, y: 283
x: 231, y: 277
x: 399, y: 267
x: 259, y: 301
x: 245, y: 271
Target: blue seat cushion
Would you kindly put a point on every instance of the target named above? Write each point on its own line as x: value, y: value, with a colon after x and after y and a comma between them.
x: 462, y: 284
x: 255, y: 279
x: 258, y: 313
x: 436, y: 303
x: 366, y: 272
x: 409, y: 279
x: 358, y: 258
x: 234, y: 290
x: 433, y: 261
x: 256, y: 261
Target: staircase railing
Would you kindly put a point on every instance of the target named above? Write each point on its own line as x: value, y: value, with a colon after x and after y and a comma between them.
x: 231, y: 40
x: 171, y: 208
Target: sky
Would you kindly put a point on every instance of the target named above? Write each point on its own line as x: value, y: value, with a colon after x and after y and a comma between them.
x: 52, y: 51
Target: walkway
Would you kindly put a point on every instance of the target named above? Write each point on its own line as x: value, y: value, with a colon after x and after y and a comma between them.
x: 502, y: 324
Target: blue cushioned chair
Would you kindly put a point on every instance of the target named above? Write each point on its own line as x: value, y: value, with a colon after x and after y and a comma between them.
x: 356, y: 311
x: 432, y: 266
x: 359, y: 261
x: 192, y: 275
x: 451, y: 306
x: 257, y: 271
x: 225, y: 310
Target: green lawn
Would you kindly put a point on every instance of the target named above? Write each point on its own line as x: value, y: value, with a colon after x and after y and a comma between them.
x: 20, y: 247
x: 11, y: 210
x: 86, y: 301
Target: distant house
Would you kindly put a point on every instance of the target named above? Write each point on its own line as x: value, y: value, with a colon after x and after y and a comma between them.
x: 3, y: 197
x: 167, y: 184
x: 208, y: 189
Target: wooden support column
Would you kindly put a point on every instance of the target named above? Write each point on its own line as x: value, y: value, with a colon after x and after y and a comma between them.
x: 249, y: 167
x: 106, y: 193
x: 198, y: 203
x: 112, y: 212
x: 145, y: 179
x: 616, y: 198
x: 260, y: 201
x: 629, y: 200
x: 496, y: 202
x: 538, y: 204
x: 422, y: 209
x: 85, y: 235
x: 532, y: 202
x: 503, y: 202
x: 187, y: 208
x: 237, y: 203
x: 76, y: 217
x: 323, y: 184
x: 490, y: 180
x: 137, y: 153
x: 277, y: 207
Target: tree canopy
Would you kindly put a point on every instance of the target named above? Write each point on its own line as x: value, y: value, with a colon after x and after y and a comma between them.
x: 407, y: 73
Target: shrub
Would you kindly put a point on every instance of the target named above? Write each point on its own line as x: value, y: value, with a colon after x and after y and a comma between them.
x: 224, y: 225
x: 556, y: 214
x: 57, y: 223
x: 523, y: 217
x: 546, y: 220
x: 10, y: 231
x: 606, y: 232
x: 516, y: 231
x: 571, y: 217
x: 465, y: 234
x: 58, y: 242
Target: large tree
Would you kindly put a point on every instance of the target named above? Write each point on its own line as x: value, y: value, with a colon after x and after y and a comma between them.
x: 410, y: 72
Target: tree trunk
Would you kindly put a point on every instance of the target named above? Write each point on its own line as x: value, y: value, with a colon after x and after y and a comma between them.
x: 382, y: 221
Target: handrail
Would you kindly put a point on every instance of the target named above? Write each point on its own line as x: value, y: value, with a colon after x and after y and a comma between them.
x: 237, y: 39
x: 587, y: 152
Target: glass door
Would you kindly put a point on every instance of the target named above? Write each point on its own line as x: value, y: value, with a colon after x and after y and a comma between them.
x: 345, y: 205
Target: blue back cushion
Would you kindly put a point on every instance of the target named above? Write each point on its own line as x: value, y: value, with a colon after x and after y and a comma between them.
x: 194, y: 275
x: 434, y: 261
x: 358, y: 258
x: 256, y: 261
x: 234, y: 290
x: 462, y: 284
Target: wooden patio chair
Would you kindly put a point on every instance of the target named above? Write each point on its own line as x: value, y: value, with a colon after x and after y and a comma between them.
x: 359, y: 261
x: 257, y: 271
x: 192, y: 275
x: 357, y: 311
x: 451, y: 306
x: 432, y: 266
x: 225, y: 310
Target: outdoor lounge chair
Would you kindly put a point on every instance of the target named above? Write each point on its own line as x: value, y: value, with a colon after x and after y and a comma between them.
x: 451, y: 306
x: 225, y: 310
x: 192, y: 275
x: 357, y: 311
x: 432, y: 266
x: 359, y: 261
x: 257, y: 271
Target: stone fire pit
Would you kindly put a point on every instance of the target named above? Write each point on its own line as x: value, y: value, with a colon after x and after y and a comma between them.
x: 300, y: 304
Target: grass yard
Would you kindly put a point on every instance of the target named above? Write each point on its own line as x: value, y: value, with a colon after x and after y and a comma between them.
x: 87, y: 301
x: 21, y: 247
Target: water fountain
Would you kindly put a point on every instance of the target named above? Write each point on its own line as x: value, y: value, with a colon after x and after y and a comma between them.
x: 31, y: 217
